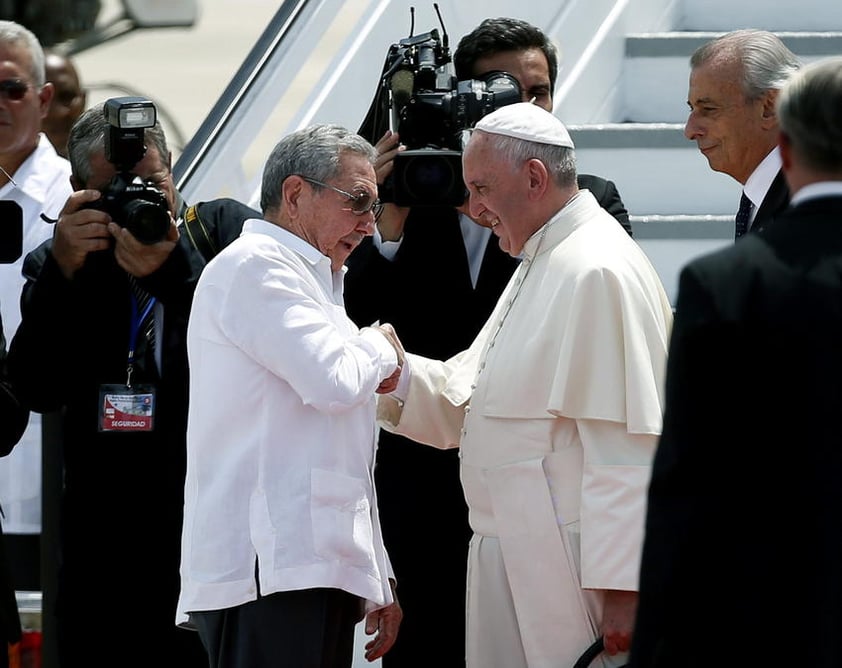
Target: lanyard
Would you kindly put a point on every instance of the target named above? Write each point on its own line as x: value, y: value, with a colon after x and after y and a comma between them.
x: 134, y: 328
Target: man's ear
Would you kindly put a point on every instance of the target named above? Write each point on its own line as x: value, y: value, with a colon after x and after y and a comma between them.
x: 45, y: 97
x: 291, y: 190
x: 770, y: 114
x: 539, y: 177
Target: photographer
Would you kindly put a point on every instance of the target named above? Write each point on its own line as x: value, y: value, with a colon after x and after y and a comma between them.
x: 421, y: 263
x: 84, y: 347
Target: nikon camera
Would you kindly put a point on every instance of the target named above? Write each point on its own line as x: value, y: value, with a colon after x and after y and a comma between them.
x: 132, y: 203
x: 422, y: 100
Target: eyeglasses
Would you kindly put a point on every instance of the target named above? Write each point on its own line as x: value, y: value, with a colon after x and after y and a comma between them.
x: 13, y: 89
x: 361, y: 203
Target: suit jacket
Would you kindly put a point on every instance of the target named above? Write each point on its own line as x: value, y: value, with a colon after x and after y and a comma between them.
x: 774, y: 203
x: 744, y: 529
x: 426, y: 293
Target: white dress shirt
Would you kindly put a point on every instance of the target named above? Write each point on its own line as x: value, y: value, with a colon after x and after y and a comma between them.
x: 760, y: 180
x: 281, y: 430
x: 41, y: 185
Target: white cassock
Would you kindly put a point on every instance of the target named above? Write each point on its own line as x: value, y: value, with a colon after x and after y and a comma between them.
x: 556, y: 407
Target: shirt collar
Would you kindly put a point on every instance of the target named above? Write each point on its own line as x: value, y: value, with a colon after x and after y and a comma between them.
x: 815, y: 190
x: 761, y: 178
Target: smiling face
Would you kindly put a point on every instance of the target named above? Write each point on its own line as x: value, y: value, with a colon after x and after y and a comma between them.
x: 733, y: 132
x: 498, y: 191
x: 327, y: 221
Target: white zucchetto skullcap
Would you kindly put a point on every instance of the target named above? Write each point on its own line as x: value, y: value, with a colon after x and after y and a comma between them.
x: 524, y: 120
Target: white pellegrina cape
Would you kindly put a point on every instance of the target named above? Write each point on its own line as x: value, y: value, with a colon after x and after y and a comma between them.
x: 557, y: 409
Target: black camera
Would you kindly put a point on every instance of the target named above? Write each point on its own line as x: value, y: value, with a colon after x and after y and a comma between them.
x: 422, y: 100
x: 131, y: 202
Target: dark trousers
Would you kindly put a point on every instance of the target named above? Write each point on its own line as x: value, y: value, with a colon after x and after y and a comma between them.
x: 311, y: 628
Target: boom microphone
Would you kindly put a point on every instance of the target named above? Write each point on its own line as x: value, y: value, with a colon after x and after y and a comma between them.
x: 402, y: 84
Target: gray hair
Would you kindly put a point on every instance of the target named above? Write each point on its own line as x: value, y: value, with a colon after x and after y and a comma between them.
x: 765, y: 61
x: 560, y: 161
x: 15, y: 34
x: 87, y: 138
x: 314, y: 151
x: 809, y: 114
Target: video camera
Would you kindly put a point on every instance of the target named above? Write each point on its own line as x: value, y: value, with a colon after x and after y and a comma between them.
x: 422, y: 100
x: 132, y: 203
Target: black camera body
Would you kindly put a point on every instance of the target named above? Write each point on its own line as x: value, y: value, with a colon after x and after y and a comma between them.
x: 430, y: 109
x: 132, y: 203
x: 140, y: 208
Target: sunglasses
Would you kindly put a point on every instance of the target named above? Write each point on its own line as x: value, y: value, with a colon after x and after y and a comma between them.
x: 361, y: 203
x: 13, y: 89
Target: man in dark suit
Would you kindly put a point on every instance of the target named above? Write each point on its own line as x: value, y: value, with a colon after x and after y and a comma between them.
x: 436, y: 275
x: 742, y: 560
x: 734, y: 82
x: 83, y: 347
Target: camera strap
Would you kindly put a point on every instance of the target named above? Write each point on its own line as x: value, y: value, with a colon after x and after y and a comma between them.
x: 198, y: 233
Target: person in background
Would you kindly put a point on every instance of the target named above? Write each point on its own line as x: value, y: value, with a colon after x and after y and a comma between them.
x: 282, y: 550
x: 420, y: 263
x: 555, y: 406
x: 734, y: 82
x: 69, y: 99
x: 36, y: 179
x: 13, y: 419
x: 743, y: 527
x: 120, y: 380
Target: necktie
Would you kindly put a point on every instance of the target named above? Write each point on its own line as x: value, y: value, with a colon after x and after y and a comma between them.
x: 743, y: 214
x: 146, y: 327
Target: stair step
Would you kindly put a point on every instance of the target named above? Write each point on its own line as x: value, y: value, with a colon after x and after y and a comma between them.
x: 679, y: 226
x: 657, y: 69
x: 671, y: 241
x: 682, y: 44
x: 726, y: 15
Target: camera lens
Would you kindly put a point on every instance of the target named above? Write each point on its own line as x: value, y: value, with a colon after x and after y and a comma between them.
x: 147, y: 221
x: 426, y: 176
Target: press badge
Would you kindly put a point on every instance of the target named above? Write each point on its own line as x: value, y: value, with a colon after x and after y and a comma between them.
x: 123, y: 408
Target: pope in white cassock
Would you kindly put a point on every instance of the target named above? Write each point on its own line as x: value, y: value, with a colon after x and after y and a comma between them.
x: 556, y: 407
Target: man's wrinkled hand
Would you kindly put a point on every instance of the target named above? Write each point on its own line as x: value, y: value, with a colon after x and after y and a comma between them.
x: 79, y: 230
x: 385, y: 623
x: 137, y: 258
x: 618, y: 618
x: 388, y: 146
x: 389, y: 384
